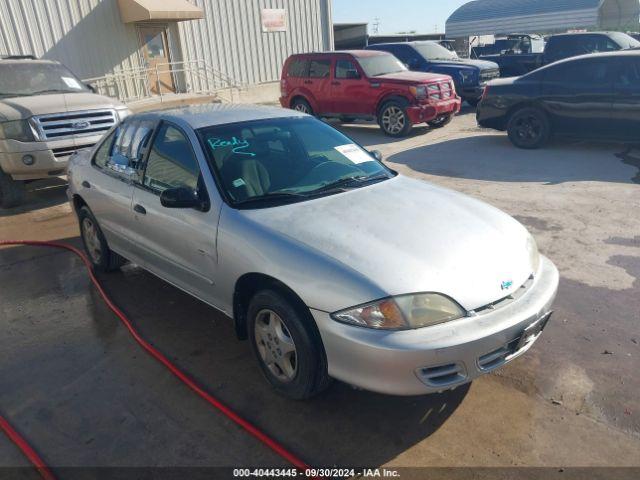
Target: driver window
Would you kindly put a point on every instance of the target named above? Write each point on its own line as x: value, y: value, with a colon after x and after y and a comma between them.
x: 346, y: 69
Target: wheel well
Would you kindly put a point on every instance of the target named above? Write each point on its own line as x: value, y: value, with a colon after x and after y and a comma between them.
x: 390, y: 98
x: 298, y: 97
x: 78, y: 203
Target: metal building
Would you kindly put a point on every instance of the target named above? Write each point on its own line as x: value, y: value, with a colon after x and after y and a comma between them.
x: 490, y: 17
x: 136, y: 48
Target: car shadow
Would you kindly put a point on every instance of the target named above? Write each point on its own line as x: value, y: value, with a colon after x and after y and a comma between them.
x: 44, y: 193
x: 101, y: 387
x: 493, y: 158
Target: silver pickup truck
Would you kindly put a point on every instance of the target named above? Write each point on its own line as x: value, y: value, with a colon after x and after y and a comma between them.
x: 46, y: 115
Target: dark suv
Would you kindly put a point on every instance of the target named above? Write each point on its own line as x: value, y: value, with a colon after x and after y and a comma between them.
x: 367, y: 85
x: 470, y: 76
x: 593, y: 96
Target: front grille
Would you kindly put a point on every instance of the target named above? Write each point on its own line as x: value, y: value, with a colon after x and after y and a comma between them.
x: 441, y: 91
x: 497, y: 357
x: 489, y: 74
x: 64, y: 152
x: 443, y: 375
x: 73, y: 124
x: 504, y: 301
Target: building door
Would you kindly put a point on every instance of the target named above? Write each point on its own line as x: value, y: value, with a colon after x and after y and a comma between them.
x: 155, y: 49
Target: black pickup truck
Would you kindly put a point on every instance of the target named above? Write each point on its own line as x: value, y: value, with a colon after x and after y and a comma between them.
x: 559, y: 47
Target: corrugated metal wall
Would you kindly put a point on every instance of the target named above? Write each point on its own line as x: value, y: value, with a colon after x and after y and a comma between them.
x: 230, y: 37
x: 89, y: 37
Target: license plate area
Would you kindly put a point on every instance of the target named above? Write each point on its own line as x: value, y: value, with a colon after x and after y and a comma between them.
x: 532, y: 332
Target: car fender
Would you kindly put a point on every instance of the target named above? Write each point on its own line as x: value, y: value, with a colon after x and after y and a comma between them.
x: 306, y: 94
x: 396, y: 94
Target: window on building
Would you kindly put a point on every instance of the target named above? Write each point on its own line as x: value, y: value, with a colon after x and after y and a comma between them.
x: 320, y: 69
x: 171, y: 161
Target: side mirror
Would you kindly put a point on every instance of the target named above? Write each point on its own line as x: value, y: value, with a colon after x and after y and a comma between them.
x: 376, y: 154
x: 180, y: 197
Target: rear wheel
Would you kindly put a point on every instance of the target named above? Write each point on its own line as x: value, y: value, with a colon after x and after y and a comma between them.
x: 12, y: 192
x: 288, y: 352
x: 393, y: 119
x: 529, y: 128
x: 95, y: 244
x: 440, y: 121
x: 301, y: 105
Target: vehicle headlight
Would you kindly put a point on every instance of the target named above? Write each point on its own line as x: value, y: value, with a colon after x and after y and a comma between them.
x: 17, y: 130
x: 534, y: 254
x: 404, y: 312
x: 419, y: 92
x: 466, y: 76
x: 123, y: 113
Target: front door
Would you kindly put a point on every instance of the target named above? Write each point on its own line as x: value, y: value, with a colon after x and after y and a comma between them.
x: 155, y: 49
x: 348, y: 88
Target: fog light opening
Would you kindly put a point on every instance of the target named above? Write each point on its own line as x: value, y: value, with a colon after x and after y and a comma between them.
x: 28, y: 160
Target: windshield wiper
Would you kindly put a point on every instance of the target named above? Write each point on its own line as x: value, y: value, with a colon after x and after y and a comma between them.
x: 54, y: 90
x: 350, y: 181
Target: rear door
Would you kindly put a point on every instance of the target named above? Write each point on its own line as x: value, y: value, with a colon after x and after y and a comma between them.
x: 179, y: 245
x: 319, y: 82
x: 349, y: 88
x: 578, y: 95
x: 626, y: 105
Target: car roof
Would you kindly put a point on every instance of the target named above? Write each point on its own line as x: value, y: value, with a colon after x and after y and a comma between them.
x: 354, y: 53
x: 617, y: 53
x: 572, y: 34
x: 212, y: 114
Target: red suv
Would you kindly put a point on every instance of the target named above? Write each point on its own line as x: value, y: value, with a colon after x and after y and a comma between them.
x: 367, y: 85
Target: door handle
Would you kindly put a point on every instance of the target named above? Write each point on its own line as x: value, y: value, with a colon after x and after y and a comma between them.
x: 335, y: 83
x: 308, y: 82
x: 139, y: 209
x: 85, y: 184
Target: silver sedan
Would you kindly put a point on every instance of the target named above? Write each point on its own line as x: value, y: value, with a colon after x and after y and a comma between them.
x: 329, y: 262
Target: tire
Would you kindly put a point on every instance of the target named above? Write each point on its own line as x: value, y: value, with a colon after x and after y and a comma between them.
x: 301, y: 105
x: 393, y: 119
x: 12, y: 192
x: 529, y: 128
x: 288, y: 350
x: 440, y: 121
x: 474, y: 102
x: 95, y: 244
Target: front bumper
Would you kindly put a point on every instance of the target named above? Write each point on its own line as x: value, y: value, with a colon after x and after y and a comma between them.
x: 440, y: 357
x: 50, y: 157
x: 429, y: 111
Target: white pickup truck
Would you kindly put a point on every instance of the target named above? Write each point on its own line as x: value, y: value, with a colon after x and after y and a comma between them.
x: 46, y: 115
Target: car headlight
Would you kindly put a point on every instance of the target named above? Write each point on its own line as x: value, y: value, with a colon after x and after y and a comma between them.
x: 404, y: 312
x: 419, y: 92
x: 534, y: 254
x: 466, y: 76
x: 17, y: 130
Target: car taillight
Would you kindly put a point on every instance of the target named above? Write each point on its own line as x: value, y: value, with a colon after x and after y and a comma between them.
x: 283, y: 88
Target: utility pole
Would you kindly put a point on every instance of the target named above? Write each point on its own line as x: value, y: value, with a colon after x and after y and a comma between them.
x: 376, y: 25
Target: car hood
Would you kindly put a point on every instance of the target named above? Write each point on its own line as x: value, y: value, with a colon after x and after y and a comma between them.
x: 410, y: 77
x: 408, y: 236
x: 18, y: 108
x: 462, y: 64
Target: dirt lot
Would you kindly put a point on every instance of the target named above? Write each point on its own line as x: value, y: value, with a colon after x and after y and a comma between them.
x: 79, y: 388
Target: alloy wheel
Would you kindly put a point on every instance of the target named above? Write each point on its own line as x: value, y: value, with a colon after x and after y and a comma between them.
x: 301, y: 107
x: 393, y: 119
x: 91, y: 240
x: 275, y: 345
x: 528, y: 128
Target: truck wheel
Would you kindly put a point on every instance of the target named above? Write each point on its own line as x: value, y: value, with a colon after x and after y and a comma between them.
x: 529, y: 128
x: 393, y: 119
x: 301, y: 105
x: 100, y: 255
x: 440, y: 121
x: 12, y: 192
x: 286, y: 348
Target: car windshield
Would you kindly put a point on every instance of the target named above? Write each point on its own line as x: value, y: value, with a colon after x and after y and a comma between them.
x: 377, y: 65
x: 435, y: 51
x: 625, y: 41
x: 35, y: 78
x: 271, y: 162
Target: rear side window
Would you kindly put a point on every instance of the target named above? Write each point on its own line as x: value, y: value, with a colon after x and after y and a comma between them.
x: 120, y: 154
x: 102, y: 155
x: 298, y: 68
x: 171, y: 161
x: 320, y: 68
x: 580, y: 73
x: 140, y: 141
x: 628, y: 76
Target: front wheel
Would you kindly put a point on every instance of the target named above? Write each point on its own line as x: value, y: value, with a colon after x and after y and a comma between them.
x: 440, y: 121
x: 288, y: 352
x: 393, y: 119
x: 95, y: 244
x: 12, y: 192
x: 529, y: 128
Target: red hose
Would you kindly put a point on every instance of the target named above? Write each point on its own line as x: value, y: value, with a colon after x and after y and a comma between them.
x: 228, y: 412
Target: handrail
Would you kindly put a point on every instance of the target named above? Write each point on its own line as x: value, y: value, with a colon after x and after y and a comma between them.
x: 189, y: 76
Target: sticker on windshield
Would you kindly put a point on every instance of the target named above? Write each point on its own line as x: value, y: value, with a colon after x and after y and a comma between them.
x: 71, y: 82
x: 238, y: 182
x: 354, y: 153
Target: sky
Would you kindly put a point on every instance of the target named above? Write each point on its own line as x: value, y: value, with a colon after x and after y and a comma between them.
x: 397, y: 16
